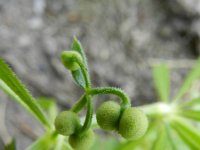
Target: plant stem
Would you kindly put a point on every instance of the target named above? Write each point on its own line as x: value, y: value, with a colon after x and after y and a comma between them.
x: 88, y: 119
x: 86, y: 75
x: 79, y: 104
x: 115, y: 91
x: 85, y: 99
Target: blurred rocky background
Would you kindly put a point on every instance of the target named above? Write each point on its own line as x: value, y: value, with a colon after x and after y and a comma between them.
x: 122, y: 40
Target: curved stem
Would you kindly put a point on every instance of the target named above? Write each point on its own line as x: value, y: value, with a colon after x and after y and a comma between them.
x: 87, y: 98
x: 79, y: 104
x: 88, y: 119
x: 112, y: 90
x: 84, y: 70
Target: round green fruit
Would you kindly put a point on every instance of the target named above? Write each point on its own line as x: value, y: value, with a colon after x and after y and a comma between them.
x: 108, y: 114
x: 83, y: 142
x: 69, y: 59
x: 133, y: 123
x: 67, y: 122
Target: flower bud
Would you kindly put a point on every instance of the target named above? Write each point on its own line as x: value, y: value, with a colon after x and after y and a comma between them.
x: 69, y: 59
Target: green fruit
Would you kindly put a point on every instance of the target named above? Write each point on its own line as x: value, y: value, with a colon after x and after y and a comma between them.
x: 108, y: 114
x: 83, y: 142
x: 69, y: 59
x: 67, y: 122
x: 133, y: 123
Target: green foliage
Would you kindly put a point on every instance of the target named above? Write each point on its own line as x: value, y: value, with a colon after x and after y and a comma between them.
x: 133, y: 123
x: 67, y: 122
x: 189, y: 80
x: 171, y: 124
x: 47, y: 141
x: 77, y: 74
x: 83, y: 142
x: 11, y: 145
x: 162, y: 81
x: 14, y: 88
x: 108, y: 115
x: 186, y: 132
x: 190, y: 114
x: 105, y: 143
x: 49, y: 106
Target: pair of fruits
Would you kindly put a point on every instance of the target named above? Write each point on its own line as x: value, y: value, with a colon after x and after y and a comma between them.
x: 67, y: 123
x: 131, y: 123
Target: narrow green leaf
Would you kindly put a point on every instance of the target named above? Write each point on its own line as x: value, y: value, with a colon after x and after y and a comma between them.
x: 48, y: 106
x: 191, y: 103
x: 59, y: 143
x: 46, y: 142
x: 170, y: 137
x: 77, y: 75
x: 187, y: 133
x: 190, y: 114
x: 9, y: 78
x: 76, y: 46
x: 162, y: 81
x: 105, y: 143
x: 160, y: 141
x: 14, y: 97
x: 66, y: 146
x: 189, y: 80
x: 11, y: 145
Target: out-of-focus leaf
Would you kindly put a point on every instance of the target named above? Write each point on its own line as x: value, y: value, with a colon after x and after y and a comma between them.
x: 14, y: 88
x: 62, y: 143
x: 77, y: 75
x: 187, y: 133
x: 11, y: 145
x: 170, y: 137
x: 79, y: 104
x: 76, y: 46
x: 191, y: 103
x: 66, y: 146
x: 46, y: 142
x: 189, y: 80
x: 160, y: 141
x: 190, y: 114
x: 162, y: 81
x: 105, y: 144
x: 48, y: 106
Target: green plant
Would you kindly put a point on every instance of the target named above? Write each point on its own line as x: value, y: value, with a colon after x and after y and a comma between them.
x: 108, y: 115
x: 168, y: 120
x: 173, y: 122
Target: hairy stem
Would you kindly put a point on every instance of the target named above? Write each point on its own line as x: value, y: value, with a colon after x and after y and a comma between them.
x: 88, y: 119
x: 79, y: 104
x: 85, y: 99
x: 85, y: 72
x: 112, y: 90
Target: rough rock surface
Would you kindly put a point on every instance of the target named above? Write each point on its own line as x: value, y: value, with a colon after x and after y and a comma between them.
x: 122, y: 39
